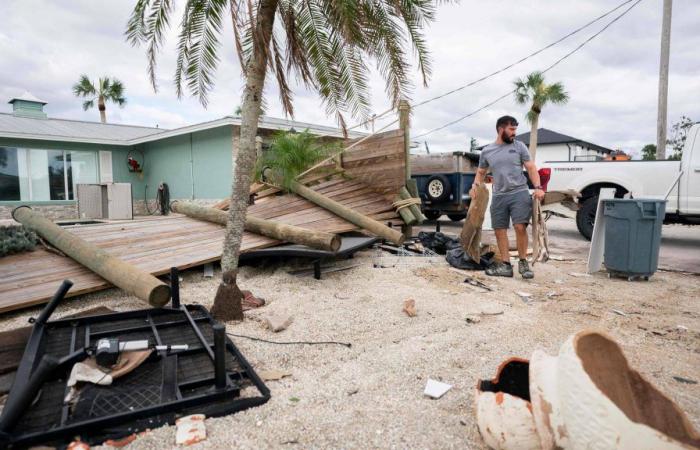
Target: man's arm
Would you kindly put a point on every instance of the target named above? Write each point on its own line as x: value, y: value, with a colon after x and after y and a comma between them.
x: 480, y: 175
x: 534, y: 178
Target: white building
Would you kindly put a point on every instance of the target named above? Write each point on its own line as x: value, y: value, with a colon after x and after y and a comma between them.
x: 553, y: 146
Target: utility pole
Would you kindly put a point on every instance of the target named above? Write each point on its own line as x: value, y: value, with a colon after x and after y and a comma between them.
x: 662, y: 118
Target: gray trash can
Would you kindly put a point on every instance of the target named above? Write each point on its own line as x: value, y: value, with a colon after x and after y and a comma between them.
x: 633, y: 236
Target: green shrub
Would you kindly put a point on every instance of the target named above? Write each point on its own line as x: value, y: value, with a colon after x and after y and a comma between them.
x: 16, y: 239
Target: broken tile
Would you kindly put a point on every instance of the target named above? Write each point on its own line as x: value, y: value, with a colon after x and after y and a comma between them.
x: 409, y: 307
x: 190, y: 430
x: 436, y: 389
x: 277, y: 322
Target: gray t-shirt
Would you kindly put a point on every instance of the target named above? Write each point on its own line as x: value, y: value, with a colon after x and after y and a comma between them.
x: 506, y: 164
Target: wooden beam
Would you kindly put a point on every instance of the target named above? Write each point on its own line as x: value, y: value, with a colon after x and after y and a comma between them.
x: 280, y: 231
x: 121, y: 274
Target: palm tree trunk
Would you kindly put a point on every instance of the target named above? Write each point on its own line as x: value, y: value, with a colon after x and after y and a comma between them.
x: 533, y: 136
x: 101, y: 106
x: 227, y: 303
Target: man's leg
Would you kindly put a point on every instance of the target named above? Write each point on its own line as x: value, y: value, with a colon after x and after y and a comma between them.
x: 520, y: 239
x: 500, y: 220
x: 502, y: 242
x: 521, y: 213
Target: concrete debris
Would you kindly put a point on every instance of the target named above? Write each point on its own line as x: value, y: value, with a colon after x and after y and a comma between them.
x: 277, y: 323
x: 436, y: 389
x: 553, y: 294
x: 473, y: 319
x: 409, y: 307
x: 273, y: 374
x: 190, y: 430
x: 579, y: 274
x: 524, y: 296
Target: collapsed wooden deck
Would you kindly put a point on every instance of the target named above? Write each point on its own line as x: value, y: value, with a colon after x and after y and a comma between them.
x: 371, y: 174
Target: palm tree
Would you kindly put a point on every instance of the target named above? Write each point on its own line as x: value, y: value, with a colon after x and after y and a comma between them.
x: 324, y: 44
x: 534, y: 90
x: 108, y: 89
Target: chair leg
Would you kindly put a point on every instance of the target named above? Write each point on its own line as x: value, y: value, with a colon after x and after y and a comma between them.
x: 317, y: 269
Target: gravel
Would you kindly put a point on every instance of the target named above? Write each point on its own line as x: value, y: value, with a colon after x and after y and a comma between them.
x: 371, y: 395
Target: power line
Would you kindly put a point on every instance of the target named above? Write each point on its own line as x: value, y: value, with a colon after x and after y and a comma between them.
x: 557, y: 62
x: 537, y: 52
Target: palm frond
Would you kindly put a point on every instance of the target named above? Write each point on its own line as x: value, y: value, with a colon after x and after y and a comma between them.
x: 147, y: 25
x: 291, y: 154
x: 87, y: 104
x: 83, y: 87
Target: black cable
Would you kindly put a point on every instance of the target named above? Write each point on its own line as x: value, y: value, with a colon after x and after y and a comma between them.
x: 292, y: 342
x: 537, y: 52
x: 543, y: 71
x: 163, y: 199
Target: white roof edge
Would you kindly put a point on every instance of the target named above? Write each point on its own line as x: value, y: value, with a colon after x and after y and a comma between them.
x: 28, y: 97
x: 269, y: 123
x: 51, y: 137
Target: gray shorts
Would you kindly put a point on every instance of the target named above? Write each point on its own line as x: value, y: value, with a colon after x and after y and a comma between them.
x: 506, y: 207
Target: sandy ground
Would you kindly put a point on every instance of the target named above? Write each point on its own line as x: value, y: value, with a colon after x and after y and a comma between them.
x: 371, y: 395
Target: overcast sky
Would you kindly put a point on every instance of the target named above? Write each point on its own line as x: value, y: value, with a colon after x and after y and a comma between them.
x: 612, y: 81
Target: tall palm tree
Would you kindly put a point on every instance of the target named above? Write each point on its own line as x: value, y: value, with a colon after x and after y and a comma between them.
x: 325, y: 44
x: 107, y: 90
x: 534, y: 91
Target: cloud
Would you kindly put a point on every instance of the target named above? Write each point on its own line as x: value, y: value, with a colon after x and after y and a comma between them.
x: 612, y: 81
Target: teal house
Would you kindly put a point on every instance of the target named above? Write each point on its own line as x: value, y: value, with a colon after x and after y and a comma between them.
x: 43, y: 159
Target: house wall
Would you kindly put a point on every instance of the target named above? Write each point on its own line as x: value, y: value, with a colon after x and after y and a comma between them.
x: 197, y: 166
x: 54, y: 209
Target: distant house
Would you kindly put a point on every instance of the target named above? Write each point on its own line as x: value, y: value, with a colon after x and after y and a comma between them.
x: 42, y: 159
x: 553, y: 146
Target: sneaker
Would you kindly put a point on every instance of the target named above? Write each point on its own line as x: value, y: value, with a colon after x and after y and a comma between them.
x: 524, y: 269
x: 500, y: 270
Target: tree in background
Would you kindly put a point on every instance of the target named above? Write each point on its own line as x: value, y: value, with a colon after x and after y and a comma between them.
x: 534, y: 91
x: 649, y: 152
x: 680, y: 134
x: 324, y: 44
x: 107, y: 90
x: 473, y: 144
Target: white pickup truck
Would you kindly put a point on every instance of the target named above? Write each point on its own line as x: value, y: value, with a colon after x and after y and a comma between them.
x: 678, y: 181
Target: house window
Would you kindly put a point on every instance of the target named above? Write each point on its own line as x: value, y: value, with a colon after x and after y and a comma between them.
x: 41, y: 175
x: 9, y: 174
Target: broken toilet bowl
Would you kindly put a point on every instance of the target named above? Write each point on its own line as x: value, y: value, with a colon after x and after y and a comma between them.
x: 503, y: 409
x: 587, y: 397
x: 605, y: 404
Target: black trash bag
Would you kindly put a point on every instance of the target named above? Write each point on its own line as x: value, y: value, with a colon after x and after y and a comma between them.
x: 459, y: 259
x: 437, y: 242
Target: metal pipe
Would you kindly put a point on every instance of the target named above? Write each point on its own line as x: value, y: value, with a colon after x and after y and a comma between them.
x: 175, y: 287
x: 219, y: 355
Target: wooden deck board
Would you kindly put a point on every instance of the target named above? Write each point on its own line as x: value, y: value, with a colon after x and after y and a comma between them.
x: 155, y: 244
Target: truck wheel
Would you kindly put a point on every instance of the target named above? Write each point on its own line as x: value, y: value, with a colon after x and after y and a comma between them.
x: 432, y: 215
x: 438, y: 188
x: 456, y: 217
x: 585, y: 217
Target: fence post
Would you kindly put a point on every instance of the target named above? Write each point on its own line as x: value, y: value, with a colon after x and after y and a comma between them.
x: 405, y: 124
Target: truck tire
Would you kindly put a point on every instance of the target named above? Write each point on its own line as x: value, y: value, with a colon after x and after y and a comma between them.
x: 585, y: 217
x: 438, y: 188
x: 432, y: 215
x: 456, y: 217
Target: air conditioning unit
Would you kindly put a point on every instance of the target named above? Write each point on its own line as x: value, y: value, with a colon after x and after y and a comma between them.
x: 105, y: 201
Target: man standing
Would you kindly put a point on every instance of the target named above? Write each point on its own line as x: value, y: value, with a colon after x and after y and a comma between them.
x: 511, y: 198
